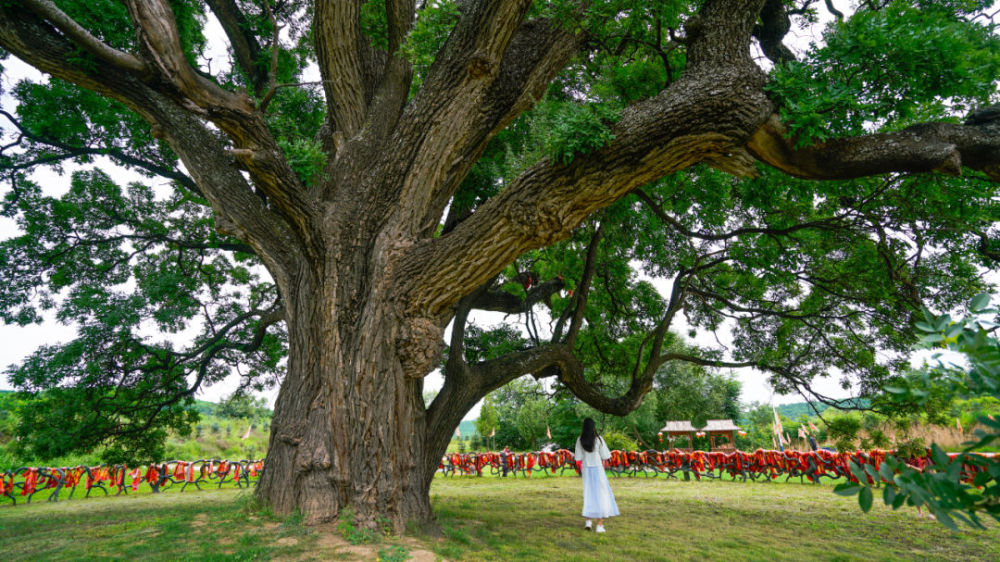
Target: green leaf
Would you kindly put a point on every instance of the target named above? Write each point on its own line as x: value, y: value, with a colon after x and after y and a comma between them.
x: 940, y: 457
x: 898, y: 501
x: 945, y: 519
x: 857, y: 471
x: 979, y: 302
x: 889, y: 495
x: 887, y: 474
x: 846, y: 489
x: 865, y: 499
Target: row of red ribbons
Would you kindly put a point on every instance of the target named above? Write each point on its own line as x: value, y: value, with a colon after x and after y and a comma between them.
x: 760, y: 464
x: 25, y: 482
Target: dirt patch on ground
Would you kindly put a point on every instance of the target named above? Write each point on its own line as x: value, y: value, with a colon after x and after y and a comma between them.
x: 286, y: 541
x: 330, y: 544
x: 200, y: 520
x: 328, y: 537
x: 421, y: 555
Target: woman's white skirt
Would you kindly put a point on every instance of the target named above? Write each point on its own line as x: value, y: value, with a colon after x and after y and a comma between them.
x: 598, y: 501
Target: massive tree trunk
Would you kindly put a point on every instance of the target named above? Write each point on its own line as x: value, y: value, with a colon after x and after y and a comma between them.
x: 349, y: 425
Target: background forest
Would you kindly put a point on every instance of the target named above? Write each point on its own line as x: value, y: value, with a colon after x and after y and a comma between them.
x: 520, y: 414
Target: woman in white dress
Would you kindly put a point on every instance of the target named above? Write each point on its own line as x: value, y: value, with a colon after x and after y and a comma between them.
x: 598, y: 501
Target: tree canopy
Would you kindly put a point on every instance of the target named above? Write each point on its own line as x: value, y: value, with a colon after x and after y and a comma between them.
x: 544, y: 160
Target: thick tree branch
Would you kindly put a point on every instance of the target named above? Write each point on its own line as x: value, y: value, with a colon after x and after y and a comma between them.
x: 399, y: 17
x: 491, y: 69
x: 233, y: 113
x: 464, y: 387
x: 337, y: 28
x: 246, y: 49
x: 703, y: 116
x: 537, y: 52
x: 238, y: 210
x: 720, y: 33
x: 161, y: 43
x: 83, y: 38
x: 772, y: 30
x: 570, y: 373
x: 933, y: 147
x: 509, y: 303
x: 456, y: 348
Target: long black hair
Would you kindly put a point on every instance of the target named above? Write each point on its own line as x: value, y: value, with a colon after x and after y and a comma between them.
x: 588, y: 435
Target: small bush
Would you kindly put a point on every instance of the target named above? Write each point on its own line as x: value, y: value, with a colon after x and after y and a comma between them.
x: 915, y: 447
x: 845, y: 445
x: 618, y: 441
x: 350, y: 532
x: 844, y: 431
x: 394, y: 553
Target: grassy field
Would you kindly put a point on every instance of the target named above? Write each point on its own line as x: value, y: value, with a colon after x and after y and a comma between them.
x: 493, y: 519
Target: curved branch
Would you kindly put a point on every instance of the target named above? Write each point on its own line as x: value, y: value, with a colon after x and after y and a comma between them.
x: 703, y: 116
x: 83, y: 38
x: 246, y: 49
x: 206, y: 361
x: 570, y: 373
x: 932, y: 147
x: 772, y: 30
x: 508, y: 303
x: 234, y: 113
x: 756, y: 311
x: 492, y: 68
x: 161, y: 42
x: 238, y: 210
x: 834, y: 11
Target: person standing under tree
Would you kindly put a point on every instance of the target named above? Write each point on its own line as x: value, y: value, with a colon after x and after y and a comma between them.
x: 598, y: 501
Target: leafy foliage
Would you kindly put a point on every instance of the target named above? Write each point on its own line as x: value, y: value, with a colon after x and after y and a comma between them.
x: 889, y: 68
x: 93, y: 258
x: 939, y: 486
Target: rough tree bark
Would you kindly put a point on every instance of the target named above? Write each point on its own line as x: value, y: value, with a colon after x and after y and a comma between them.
x: 367, y: 289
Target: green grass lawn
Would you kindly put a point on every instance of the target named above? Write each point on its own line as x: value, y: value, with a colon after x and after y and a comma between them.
x: 493, y: 519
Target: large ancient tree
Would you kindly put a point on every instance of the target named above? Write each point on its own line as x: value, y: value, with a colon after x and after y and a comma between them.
x: 501, y: 155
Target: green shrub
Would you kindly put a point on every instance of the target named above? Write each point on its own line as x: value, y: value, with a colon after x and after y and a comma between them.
x: 618, y: 441
x: 395, y: 553
x: 350, y: 532
x: 844, y: 431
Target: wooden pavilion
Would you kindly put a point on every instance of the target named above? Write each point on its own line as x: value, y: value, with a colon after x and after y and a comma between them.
x: 712, y: 428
